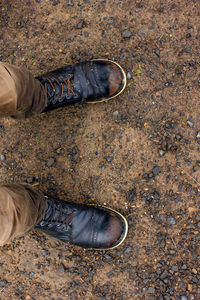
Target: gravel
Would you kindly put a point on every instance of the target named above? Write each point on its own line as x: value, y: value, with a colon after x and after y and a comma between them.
x: 159, y: 258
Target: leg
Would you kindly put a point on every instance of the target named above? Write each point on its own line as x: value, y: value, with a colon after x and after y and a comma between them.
x: 21, y: 207
x: 21, y: 95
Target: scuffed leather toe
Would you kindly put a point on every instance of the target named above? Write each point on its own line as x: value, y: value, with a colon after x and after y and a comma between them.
x: 115, y: 79
x: 113, y: 234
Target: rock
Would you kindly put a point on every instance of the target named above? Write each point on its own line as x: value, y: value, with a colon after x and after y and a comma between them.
x: 109, y: 159
x: 184, y: 267
x: 164, y: 274
x: 156, y: 170
x: 30, y: 179
x: 198, y: 135
x: 116, y: 113
x: 103, y: 34
x: 143, y: 32
x: 126, y: 33
x: 151, y: 290
x: 45, y: 252
x: 50, y: 162
x: 190, y: 124
x: 61, y: 268
x: 55, y: 3
x: 174, y: 268
x: 3, y: 283
x: 171, y: 221
x: 161, y: 152
x: 70, y: 3
x: 183, y: 297
x: 157, y: 52
x: 110, y: 21
x: 86, y: 33
x: 129, y: 75
x: 20, y: 155
x: 2, y: 157
x: 80, y: 24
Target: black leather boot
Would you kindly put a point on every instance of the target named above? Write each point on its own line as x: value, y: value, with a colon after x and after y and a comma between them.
x: 87, y: 226
x: 92, y: 81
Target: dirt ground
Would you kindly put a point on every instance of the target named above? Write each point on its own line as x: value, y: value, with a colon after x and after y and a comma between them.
x: 138, y: 153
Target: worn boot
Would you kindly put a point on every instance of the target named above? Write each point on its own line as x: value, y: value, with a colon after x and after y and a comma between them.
x: 92, y: 81
x: 87, y: 226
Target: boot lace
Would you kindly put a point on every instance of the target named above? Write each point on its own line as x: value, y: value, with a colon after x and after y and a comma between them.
x: 65, y: 85
x: 59, y: 216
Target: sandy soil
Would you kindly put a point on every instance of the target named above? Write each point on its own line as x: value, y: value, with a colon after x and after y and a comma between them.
x: 138, y: 153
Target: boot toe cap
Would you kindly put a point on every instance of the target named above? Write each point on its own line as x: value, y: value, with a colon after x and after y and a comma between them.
x: 116, y: 79
x: 114, y: 234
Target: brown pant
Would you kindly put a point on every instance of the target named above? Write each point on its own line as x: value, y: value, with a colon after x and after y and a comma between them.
x: 21, y: 95
x: 21, y: 207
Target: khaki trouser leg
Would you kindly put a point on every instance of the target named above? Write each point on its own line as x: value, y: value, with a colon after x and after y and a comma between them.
x: 21, y: 207
x: 21, y: 95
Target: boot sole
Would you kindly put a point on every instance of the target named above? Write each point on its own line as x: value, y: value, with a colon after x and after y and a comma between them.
x: 124, y: 81
x: 125, y: 228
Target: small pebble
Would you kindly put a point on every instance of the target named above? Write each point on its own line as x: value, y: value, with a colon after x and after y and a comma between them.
x: 3, y: 283
x: 109, y: 159
x: 161, y: 152
x: 157, y: 52
x: 45, y: 252
x: 80, y: 24
x: 190, y: 124
x: 143, y: 32
x: 111, y: 21
x: 156, y: 170
x: 126, y: 33
x: 50, y: 162
x: 171, y: 221
x: 103, y: 34
x: 129, y: 75
x: 20, y: 155
x: 151, y: 290
x: 183, y: 297
x: 70, y: 3
x: 116, y: 113
x: 61, y: 268
x: 29, y: 180
x: 2, y: 157
x: 198, y: 135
